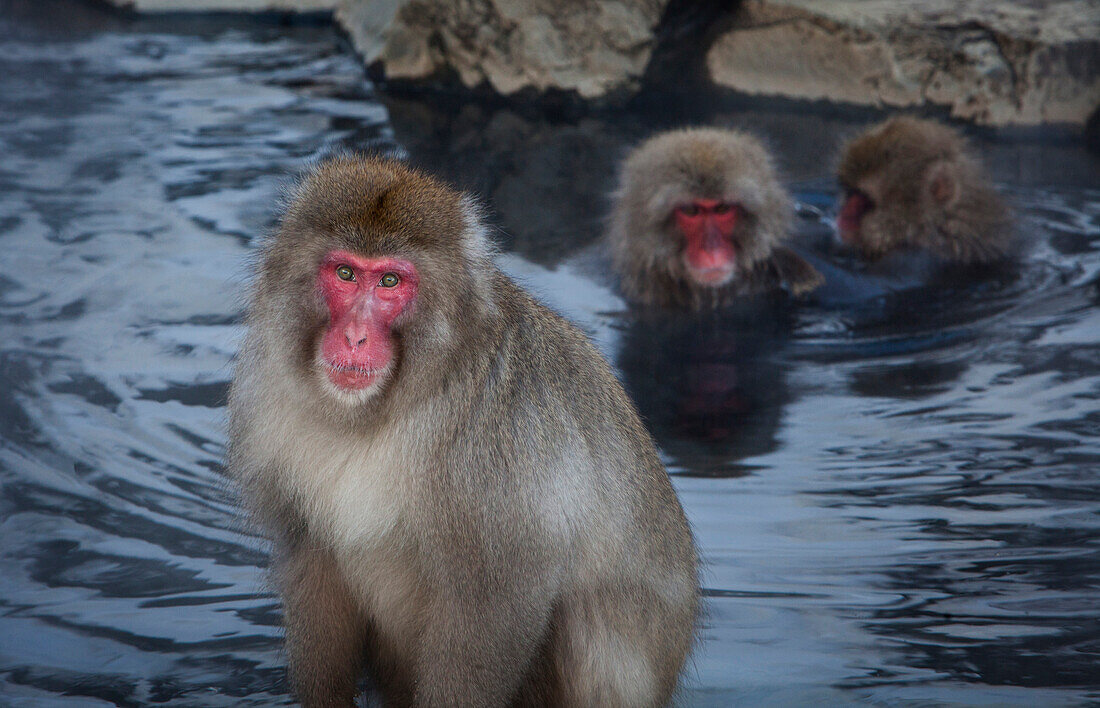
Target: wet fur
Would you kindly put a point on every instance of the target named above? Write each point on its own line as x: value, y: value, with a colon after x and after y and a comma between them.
x: 493, y: 527
x: 895, y: 163
x: 702, y: 163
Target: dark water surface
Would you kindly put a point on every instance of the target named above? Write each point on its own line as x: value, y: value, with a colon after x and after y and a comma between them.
x: 896, y: 495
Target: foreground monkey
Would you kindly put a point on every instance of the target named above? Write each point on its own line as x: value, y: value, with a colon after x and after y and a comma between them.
x: 463, y: 500
x: 913, y: 184
x: 700, y: 219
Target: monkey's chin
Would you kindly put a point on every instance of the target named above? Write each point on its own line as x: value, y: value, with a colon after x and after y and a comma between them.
x: 350, y: 384
x: 711, y: 277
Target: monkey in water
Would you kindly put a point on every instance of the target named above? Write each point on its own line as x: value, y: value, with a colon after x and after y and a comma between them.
x: 700, y: 218
x: 463, y: 500
x: 913, y: 184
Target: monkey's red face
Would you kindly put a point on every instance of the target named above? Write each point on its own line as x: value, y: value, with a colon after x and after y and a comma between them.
x: 856, y: 205
x: 364, y: 296
x: 707, y: 226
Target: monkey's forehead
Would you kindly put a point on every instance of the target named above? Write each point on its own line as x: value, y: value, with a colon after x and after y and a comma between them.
x: 711, y: 159
x: 701, y: 145
x: 377, y: 198
x: 902, y: 142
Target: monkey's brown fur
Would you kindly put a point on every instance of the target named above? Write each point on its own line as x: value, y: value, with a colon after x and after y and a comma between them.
x: 706, y: 163
x: 494, y: 526
x: 928, y: 191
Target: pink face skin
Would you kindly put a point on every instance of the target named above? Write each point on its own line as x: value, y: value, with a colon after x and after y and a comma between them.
x: 364, y: 296
x: 856, y: 205
x: 707, y: 226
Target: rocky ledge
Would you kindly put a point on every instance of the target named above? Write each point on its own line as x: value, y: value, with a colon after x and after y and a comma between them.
x: 227, y: 5
x: 594, y: 48
x: 992, y: 62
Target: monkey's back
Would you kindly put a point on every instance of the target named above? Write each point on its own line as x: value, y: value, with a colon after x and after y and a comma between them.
x: 600, y: 482
x: 567, y: 406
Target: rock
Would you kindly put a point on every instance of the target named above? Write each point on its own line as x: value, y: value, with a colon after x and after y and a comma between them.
x: 226, y: 5
x: 993, y: 62
x: 591, y: 47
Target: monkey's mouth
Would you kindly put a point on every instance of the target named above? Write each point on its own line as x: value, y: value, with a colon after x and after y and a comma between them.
x: 351, y: 377
x: 714, y: 276
x: 710, y: 268
x: 711, y: 264
x: 855, y: 206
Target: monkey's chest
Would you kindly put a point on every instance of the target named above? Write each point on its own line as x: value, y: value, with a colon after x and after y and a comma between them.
x: 388, y: 586
x: 360, y: 497
x: 351, y: 495
x: 360, y: 507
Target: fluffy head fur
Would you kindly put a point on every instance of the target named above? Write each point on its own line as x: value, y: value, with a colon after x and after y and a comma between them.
x: 372, y: 208
x: 684, y: 165
x: 923, y: 189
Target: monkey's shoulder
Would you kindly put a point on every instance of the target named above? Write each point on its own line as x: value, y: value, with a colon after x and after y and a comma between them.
x: 536, y: 328
x: 554, y: 361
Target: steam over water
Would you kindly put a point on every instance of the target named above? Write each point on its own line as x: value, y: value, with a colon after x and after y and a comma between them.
x: 895, y: 489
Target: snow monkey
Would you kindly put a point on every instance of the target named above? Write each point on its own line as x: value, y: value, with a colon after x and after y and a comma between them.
x: 700, y: 218
x: 910, y: 183
x: 463, y: 501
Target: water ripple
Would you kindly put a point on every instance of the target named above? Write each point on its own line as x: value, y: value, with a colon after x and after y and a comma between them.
x: 895, y: 492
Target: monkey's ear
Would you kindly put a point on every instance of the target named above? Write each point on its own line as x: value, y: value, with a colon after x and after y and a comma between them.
x: 796, y: 272
x: 943, y: 183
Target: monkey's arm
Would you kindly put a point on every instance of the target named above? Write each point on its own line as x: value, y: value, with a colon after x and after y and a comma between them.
x: 325, y: 632
x: 488, y: 615
x: 477, y: 654
x: 795, y: 271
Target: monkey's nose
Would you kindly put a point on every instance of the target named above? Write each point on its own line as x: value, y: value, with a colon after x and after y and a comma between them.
x: 355, y: 336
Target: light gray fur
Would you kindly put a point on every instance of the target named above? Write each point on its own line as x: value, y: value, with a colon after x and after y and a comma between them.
x: 491, y: 526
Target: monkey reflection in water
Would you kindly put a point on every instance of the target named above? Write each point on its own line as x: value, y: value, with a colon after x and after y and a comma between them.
x: 463, y: 501
x: 699, y: 236
x: 710, y: 386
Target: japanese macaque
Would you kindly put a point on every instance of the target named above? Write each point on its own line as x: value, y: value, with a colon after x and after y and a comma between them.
x: 700, y: 219
x: 913, y: 184
x: 463, y: 500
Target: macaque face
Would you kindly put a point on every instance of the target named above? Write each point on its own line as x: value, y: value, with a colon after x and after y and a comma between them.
x: 855, y: 206
x: 913, y: 184
x: 364, y: 297
x: 707, y: 227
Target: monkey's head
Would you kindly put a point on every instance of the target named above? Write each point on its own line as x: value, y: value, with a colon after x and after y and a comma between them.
x: 698, y: 209
x: 360, y: 279
x: 905, y: 182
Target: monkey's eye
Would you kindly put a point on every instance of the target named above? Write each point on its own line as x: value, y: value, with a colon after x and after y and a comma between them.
x: 688, y: 209
x: 389, y: 280
x: 344, y: 272
x: 723, y: 208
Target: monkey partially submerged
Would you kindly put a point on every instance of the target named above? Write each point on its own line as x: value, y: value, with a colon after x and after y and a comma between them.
x: 700, y: 218
x: 913, y: 184
x: 463, y: 500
